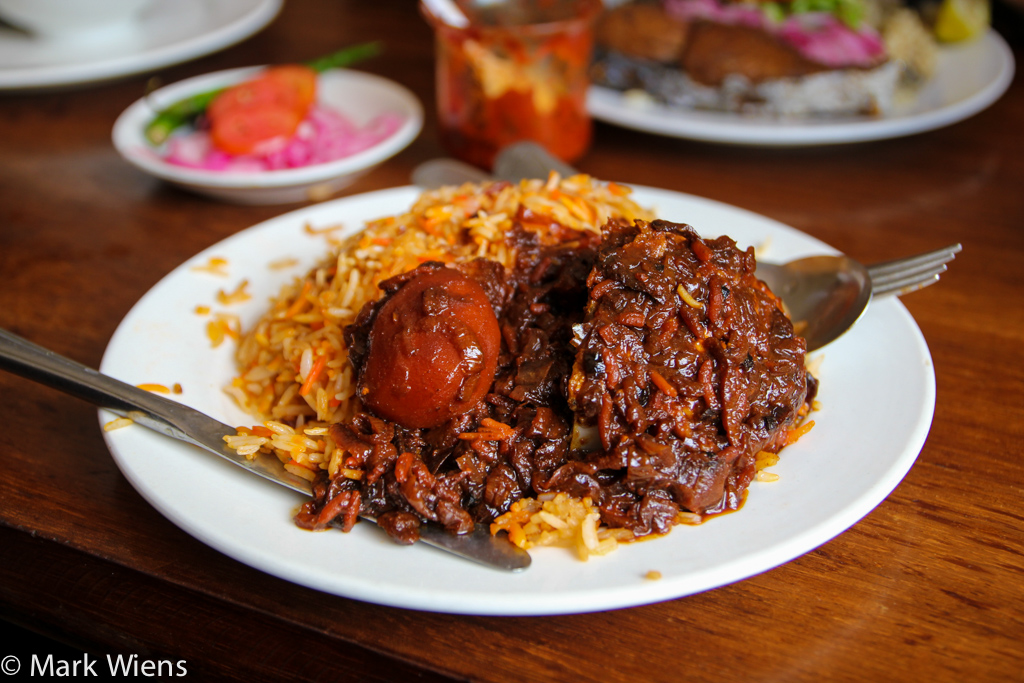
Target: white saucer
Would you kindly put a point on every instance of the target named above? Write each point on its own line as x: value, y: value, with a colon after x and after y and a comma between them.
x: 359, y: 96
x: 168, y: 32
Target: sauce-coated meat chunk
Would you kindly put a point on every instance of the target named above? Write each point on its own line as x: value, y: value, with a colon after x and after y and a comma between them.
x: 687, y: 367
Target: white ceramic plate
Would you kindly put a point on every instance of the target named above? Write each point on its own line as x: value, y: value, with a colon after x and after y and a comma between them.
x: 359, y: 96
x: 877, y: 396
x: 168, y: 32
x: 968, y: 78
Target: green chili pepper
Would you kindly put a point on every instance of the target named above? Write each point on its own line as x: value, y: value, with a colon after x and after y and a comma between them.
x: 185, y: 111
x: 346, y: 57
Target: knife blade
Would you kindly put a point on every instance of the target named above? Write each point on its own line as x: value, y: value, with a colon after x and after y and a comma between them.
x: 179, y: 421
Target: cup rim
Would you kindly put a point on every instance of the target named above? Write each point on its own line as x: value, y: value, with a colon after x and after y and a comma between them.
x: 591, y: 8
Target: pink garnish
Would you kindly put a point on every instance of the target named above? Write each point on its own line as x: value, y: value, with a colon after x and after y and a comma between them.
x: 325, y: 135
x: 819, y: 36
x: 826, y: 40
x: 736, y: 14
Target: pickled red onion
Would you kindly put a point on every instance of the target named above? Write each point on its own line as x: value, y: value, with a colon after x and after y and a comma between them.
x: 325, y: 135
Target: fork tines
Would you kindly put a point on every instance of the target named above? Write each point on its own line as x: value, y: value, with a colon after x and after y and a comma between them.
x: 906, y: 275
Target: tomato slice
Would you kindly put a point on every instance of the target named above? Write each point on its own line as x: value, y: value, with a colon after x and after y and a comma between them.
x: 268, y: 106
x: 300, y: 80
x: 252, y: 94
x: 241, y: 131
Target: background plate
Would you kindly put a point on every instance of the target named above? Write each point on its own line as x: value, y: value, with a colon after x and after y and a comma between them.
x: 877, y: 396
x: 968, y: 78
x: 168, y: 32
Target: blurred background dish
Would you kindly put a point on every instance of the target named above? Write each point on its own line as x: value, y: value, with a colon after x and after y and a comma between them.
x: 359, y: 97
x: 968, y: 77
x: 165, y: 32
x: 72, y: 19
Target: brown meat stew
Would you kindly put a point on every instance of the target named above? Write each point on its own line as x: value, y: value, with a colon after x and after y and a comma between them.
x: 659, y: 348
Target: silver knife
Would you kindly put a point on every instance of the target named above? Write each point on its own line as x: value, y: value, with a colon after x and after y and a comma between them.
x: 176, y: 420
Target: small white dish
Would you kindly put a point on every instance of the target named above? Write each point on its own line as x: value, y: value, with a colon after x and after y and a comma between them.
x: 969, y: 77
x: 359, y: 96
x: 165, y: 32
x: 877, y: 398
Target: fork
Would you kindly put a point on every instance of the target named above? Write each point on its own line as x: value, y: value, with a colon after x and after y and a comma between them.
x: 904, y: 275
x: 826, y: 295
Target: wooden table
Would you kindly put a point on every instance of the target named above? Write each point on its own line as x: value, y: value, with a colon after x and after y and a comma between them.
x: 929, y: 586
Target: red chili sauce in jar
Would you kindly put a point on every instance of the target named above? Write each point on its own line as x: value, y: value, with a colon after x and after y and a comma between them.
x: 518, y: 72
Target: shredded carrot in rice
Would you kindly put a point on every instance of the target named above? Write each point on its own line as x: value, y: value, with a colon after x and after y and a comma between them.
x: 314, y: 375
x: 795, y: 434
x: 300, y: 301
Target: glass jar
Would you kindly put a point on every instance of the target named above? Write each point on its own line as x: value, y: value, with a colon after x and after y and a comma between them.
x: 518, y: 71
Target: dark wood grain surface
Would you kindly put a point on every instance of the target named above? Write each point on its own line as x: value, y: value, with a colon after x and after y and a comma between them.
x: 928, y: 587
